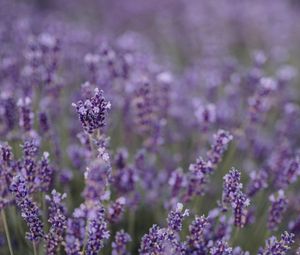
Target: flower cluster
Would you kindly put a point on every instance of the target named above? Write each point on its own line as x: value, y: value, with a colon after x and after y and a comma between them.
x: 233, y: 195
x: 92, y: 112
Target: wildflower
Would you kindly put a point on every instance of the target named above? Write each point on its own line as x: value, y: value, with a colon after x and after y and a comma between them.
x: 26, y: 114
x: 92, y: 112
x: 116, y: 209
x: 97, y: 232
x: 220, y: 143
x: 175, y: 218
x: 57, y: 220
x: 196, y: 238
x: 278, y: 247
x: 221, y: 248
x: 278, y: 206
x: 29, y: 210
x: 120, y: 242
x: 75, y: 231
x: 233, y: 195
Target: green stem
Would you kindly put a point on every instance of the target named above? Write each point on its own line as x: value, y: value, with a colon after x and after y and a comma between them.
x: 131, y: 227
x: 7, y: 232
x: 34, y: 248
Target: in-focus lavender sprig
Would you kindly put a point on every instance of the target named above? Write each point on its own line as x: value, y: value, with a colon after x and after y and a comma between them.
x: 58, y: 222
x: 92, y: 112
x: 29, y: 209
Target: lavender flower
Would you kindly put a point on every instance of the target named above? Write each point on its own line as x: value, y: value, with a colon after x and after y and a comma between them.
x: 278, y: 247
x: 97, y: 232
x: 92, y: 112
x: 278, y: 206
x: 152, y: 243
x: 175, y: 218
x: 57, y: 220
x: 119, y: 245
x: 257, y: 183
x: 233, y: 195
x: 96, y: 178
x: 29, y: 210
x: 221, y: 248
x: 220, y: 143
x: 75, y: 231
x: 116, y: 209
x: 198, y: 178
x: 196, y: 238
x: 26, y: 114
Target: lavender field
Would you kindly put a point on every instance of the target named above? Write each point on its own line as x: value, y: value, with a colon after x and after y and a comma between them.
x: 159, y: 127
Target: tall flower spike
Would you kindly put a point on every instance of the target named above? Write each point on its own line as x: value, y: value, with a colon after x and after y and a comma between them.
x: 57, y: 220
x: 278, y: 206
x: 281, y: 247
x: 29, y: 210
x: 116, y: 209
x: 220, y: 143
x: 196, y: 238
x: 97, y: 232
x: 176, y: 217
x: 198, y: 178
x: 152, y: 243
x: 221, y: 248
x: 75, y: 232
x: 96, y: 180
x: 26, y: 114
x: 92, y: 112
x: 120, y: 242
x: 233, y: 195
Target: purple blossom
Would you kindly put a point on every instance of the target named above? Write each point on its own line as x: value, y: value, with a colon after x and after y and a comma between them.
x: 26, y: 114
x: 75, y: 231
x: 233, y: 195
x: 176, y: 217
x: 92, y: 112
x: 96, y: 180
x: 120, y: 242
x: 219, y: 145
x: 278, y: 247
x: 196, y: 238
x: 57, y: 220
x: 278, y: 206
x: 97, y: 232
x: 116, y: 209
x: 221, y: 248
x: 29, y: 210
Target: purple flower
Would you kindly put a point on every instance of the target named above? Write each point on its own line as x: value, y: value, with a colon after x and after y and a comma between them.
x: 29, y: 210
x: 221, y: 248
x: 45, y: 173
x: 75, y: 232
x: 152, y: 243
x: 92, y: 112
x: 96, y: 180
x: 219, y: 145
x: 176, y: 217
x: 278, y: 206
x: 97, y: 232
x: 278, y: 247
x: 233, y: 195
x: 198, y: 178
x: 196, y: 238
x: 120, y: 242
x: 116, y: 209
x: 258, y: 181
x: 260, y: 101
x: 57, y: 220
x: 26, y: 114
